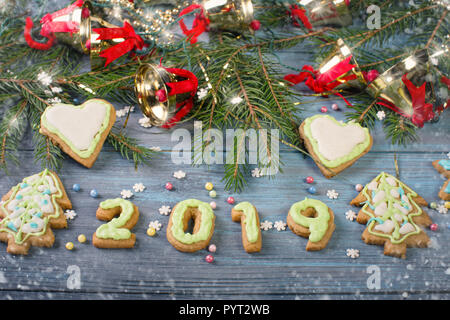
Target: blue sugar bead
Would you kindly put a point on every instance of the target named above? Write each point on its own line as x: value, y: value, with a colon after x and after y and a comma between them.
x: 24, y: 185
x: 44, y: 202
x: 312, y: 190
x: 38, y: 214
x: 19, y: 197
x: 76, y: 187
x: 33, y: 225
x: 47, y: 191
x: 93, y: 193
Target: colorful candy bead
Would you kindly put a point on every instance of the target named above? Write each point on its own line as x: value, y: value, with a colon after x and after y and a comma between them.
x: 359, y: 187
x: 93, y: 193
x: 76, y: 187
x: 69, y: 245
x: 335, y: 107
x: 209, y: 258
x: 324, y: 109
x: 213, y: 205
x: 433, y: 205
x: 309, y: 179
x: 169, y: 186
x: 312, y: 190
x: 213, y: 193
x: 434, y: 227
x: 151, y: 231
x: 447, y: 204
x: 212, y: 248
x: 230, y: 200
x: 81, y: 238
x: 209, y: 186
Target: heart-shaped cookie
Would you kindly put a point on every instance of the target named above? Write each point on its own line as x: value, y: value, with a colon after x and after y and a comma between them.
x: 334, y: 145
x: 81, y: 130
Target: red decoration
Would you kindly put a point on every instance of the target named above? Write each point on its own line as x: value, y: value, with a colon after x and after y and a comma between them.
x: 35, y: 44
x: 423, y: 111
x: 132, y: 41
x: 297, y: 14
x: 199, y: 25
x: 255, y: 25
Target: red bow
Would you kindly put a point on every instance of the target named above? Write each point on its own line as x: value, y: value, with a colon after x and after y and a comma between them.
x: 422, y: 111
x: 299, y: 14
x: 199, y: 25
x: 132, y: 40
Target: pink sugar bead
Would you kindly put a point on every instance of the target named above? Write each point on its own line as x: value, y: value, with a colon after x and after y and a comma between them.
x: 209, y: 258
x: 212, y: 248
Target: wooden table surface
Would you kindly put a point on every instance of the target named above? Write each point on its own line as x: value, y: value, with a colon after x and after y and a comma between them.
x: 282, y: 270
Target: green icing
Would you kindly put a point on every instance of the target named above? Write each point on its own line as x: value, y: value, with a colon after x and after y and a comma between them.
x: 30, y: 202
x: 251, y: 226
x: 356, y: 151
x: 318, y: 226
x: 113, y: 229
x: 205, y: 225
x: 395, y: 237
x: 81, y: 153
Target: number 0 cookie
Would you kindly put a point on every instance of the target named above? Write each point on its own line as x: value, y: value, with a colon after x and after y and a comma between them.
x: 81, y: 130
x: 312, y: 219
x: 204, y: 218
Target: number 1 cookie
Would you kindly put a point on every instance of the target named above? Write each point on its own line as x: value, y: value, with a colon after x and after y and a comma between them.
x: 116, y: 233
x: 312, y: 219
x: 247, y: 215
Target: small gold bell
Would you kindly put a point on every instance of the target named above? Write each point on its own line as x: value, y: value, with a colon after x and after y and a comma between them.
x: 231, y: 15
x: 327, y: 12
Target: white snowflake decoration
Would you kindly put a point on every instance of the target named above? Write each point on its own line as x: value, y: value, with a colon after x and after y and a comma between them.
x: 381, y: 115
x: 164, y: 210
x: 128, y: 108
x: 44, y: 78
x: 280, y: 225
x: 236, y: 100
x: 332, y: 194
x: 448, y: 155
x: 138, y: 187
x: 156, y: 149
x: 126, y: 194
x: 201, y: 93
x: 145, y: 122
x: 353, y: 253
x: 56, y: 90
x: 180, y: 174
x: 441, y: 209
x: 120, y: 113
x: 155, y: 225
x: 54, y: 100
x: 266, y: 225
x: 256, y: 173
x: 70, y: 214
x: 350, y: 215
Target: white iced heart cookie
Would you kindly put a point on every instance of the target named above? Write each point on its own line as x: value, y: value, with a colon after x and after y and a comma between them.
x: 79, y: 130
x: 334, y: 145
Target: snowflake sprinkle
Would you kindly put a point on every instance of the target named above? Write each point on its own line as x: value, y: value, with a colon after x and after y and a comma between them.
x: 448, y: 155
x: 441, y: 209
x: 70, y: 214
x: 155, y: 224
x: 120, y: 113
x: 236, y: 100
x: 256, y: 173
x: 280, y: 225
x: 201, y: 93
x: 266, y: 225
x: 353, y: 253
x: 381, y: 115
x: 126, y: 194
x: 332, y: 194
x: 350, y: 215
x: 144, y: 122
x: 138, y: 187
x: 44, y: 78
x: 164, y: 210
x: 180, y: 174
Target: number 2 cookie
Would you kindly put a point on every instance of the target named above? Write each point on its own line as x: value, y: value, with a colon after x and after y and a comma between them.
x: 312, y: 219
x: 116, y: 233
x: 247, y: 215
x: 392, y: 215
x: 30, y: 210
x: 204, y: 218
x: 80, y: 131
x: 443, y: 167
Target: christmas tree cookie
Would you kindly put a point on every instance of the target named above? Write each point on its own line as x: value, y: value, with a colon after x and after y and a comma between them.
x: 392, y: 215
x: 30, y: 210
x: 80, y: 131
x: 443, y: 167
x: 334, y: 146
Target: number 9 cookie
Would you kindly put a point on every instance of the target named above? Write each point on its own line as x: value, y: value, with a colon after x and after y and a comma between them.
x: 312, y: 219
x: 204, y: 218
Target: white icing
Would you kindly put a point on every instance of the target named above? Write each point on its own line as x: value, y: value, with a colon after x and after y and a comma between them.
x: 16, y: 213
x: 33, y: 178
x: 381, y: 209
x: 391, y: 181
x: 335, y: 141
x: 406, y: 228
x: 398, y: 217
x: 27, y: 228
x: 372, y: 186
x: 48, y: 207
x: 405, y: 199
x: 394, y: 193
x: 380, y: 195
x: 12, y: 205
x: 51, y: 186
x: 401, y: 208
x: 24, y: 190
x: 386, y: 227
x: 78, y: 125
x: 17, y: 223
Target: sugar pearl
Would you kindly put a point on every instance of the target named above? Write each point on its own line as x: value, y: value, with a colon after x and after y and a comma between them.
x: 433, y: 205
x: 213, y: 193
x: 434, y: 227
x: 81, y: 238
x: 169, y: 186
x: 213, y: 205
x: 230, y: 200
x: 324, y: 109
x: 309, y: 179
x: 209, y: 258
x: 312, y: 190
x: 359, y: 187
x: 335, y: 107
x: 93, y: 193
x: 209, y: 186
x: 151, y: 231
x: 76, y: 187
x: 212, y: 248
x: 69, y: 245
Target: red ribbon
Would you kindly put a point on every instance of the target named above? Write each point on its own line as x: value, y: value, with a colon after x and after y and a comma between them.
x: 298, y: 13
x: 132, y: 40
x: 35, y: 44
x: 199, y: 25
x: 422, y: 111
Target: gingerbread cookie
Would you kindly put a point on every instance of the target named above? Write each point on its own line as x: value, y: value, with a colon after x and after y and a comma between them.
x: 204, y: 218
x: 30, y: 210
x: 312, y: 219
x: 392, y: 215
x: 247, y: 215
x: 333, y: 145
x: 79, y: 131
x: 443, y: 167
x: 116, y: 233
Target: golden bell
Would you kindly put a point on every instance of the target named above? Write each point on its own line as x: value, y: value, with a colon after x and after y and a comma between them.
x: 148, y: 80
x: 341, y: 53
x: 327, y: 12
x: 389, y: 85
x: 230, y: 15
